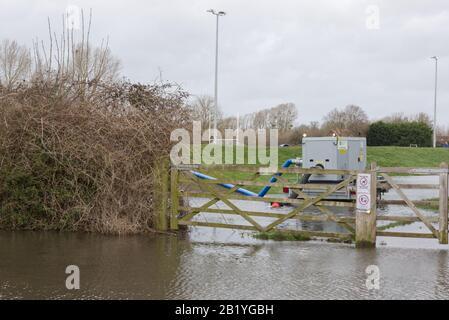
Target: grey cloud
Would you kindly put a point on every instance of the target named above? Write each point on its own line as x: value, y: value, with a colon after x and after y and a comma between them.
x: 316, y: 54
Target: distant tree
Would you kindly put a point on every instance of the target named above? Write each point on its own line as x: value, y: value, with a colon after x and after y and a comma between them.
x: 396, y: 117
x: 260, y: 119
x: 15, y: 63
x: 283, y: 116
x: 400, y: 117
x: 442, y: 135
x: 228, y: 123
x: 203, y: 110
x: 350, y: 121
x: 247, y: 121
x: 314, y: 129
x: 295, y: 135
x: 423, y: 118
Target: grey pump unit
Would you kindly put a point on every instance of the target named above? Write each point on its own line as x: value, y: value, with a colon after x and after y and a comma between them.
x: 337, y: 153
x: 340, y: 153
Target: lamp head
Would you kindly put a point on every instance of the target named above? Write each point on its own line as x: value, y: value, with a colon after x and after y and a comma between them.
x: 219, y: 13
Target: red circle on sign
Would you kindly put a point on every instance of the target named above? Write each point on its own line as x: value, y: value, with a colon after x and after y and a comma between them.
x: 363, y: 199
x: 364, y: 181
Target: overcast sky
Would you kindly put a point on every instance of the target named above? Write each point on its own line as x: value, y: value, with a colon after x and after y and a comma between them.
x: 317, y: 54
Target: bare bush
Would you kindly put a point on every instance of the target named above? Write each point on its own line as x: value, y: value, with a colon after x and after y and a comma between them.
x: 70, y: 64
x: 84, y: 167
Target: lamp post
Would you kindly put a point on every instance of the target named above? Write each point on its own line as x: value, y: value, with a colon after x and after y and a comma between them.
x: 217, y: 14
x: 435, y: 103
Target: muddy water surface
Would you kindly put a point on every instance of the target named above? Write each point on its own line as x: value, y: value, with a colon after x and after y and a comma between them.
x: 221, y: 264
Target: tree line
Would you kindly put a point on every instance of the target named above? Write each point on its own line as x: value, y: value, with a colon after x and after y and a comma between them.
x: 281, y: 117
x: 397, y: 129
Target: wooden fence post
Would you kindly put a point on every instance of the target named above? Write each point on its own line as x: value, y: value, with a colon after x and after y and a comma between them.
x: 365, y: 236
x: 174, y: 201
x: 443, y: 219
x: 160, y: 195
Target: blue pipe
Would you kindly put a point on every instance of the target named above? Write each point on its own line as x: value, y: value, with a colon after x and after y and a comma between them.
x: 225, y: 185
x: 245, y: 192
x: 265, y: 189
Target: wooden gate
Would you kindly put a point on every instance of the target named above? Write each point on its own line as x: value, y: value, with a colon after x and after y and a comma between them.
x: 185, y: 185
x: 212, y: 199
x: 439, y: 232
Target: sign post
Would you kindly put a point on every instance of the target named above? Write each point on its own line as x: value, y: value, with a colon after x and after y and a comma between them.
x: 366, y: 208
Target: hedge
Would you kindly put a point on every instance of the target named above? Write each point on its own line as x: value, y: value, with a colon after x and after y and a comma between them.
x: 401, y: 134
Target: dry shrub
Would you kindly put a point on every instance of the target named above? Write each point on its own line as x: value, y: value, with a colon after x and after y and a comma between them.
x: 68, y: 163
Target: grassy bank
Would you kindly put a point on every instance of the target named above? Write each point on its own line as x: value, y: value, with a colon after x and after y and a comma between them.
x: 407, y: 157
x: 383, y: 156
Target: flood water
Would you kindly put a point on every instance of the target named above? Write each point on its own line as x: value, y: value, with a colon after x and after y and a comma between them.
x: 209, y: 263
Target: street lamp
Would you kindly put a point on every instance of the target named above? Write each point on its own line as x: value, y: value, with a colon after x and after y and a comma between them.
x: 435, y: 103
x: 217, y: 14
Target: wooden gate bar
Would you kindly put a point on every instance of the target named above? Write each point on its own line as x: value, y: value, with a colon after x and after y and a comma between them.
x: 401, y: 202
x: 326, y: 203
x: 422, y: 171
x: 217, y: 225
x: 405, y: 234
x: 406, y: 218
x: 443, y: 205
x: 256, y: 169
x: 160, y: 195
x: 317, y: 218
x: 174, y: 198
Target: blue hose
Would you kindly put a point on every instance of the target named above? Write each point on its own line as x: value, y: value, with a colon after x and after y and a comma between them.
x: 265, y: 189
x: 225, y: 185
x: 245, y: 192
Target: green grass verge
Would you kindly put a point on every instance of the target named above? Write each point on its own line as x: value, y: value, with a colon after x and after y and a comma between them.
x: 393, y: 225
x: 295, y: 236
x: 337, y: 240
x: 281, y: 236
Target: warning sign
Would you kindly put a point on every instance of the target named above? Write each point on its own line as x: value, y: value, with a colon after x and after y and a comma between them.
x: 342, y: 146
x: 363, y: 192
